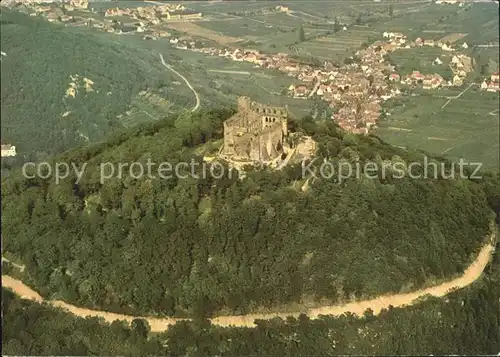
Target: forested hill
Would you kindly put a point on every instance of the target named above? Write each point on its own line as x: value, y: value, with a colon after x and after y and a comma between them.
x: 43, y: 62
x: 464, y: 323
x: 202, y: 246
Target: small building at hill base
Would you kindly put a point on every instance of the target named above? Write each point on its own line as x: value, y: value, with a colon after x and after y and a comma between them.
x: 8, y: 150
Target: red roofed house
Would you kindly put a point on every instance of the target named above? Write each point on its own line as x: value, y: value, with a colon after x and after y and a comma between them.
x: 436, y: 82
x: 493, y: 87
x: 427, y: 83
x: 8, y: 150
x: 300, y: 90
x: 394, y: 77
x: 417, y: 75
x: 495, y: 77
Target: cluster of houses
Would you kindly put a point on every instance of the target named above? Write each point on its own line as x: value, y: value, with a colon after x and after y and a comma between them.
x: 398, y: 39
x: 429, y: 81
x: 363, y: 87
x: 261, y: 11
x: 451, y: 2
x: 156, y: 14
x: 493, y: 85
x: 460, y: 64
x: 354, y: 91
x: 8, y: 150
x: 52, y: 11
x: 141, y: 18
x: 444, y: 45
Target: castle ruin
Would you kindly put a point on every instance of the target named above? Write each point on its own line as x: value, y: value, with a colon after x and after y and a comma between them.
x: 256, y: 133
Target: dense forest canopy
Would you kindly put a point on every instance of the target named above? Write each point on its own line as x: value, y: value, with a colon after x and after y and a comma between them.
x: 466, y: 322
x: 32, y: 329
x: 41, y: 59
x: 230, y: 245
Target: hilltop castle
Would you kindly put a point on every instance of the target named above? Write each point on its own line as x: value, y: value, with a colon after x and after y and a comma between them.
x: 256, y: 133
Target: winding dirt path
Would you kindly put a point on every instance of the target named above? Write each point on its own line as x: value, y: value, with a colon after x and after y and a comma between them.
x: 197, y: 97
x: 472, y: 273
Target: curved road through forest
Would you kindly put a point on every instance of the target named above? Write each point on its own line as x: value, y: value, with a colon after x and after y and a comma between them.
x: 197, y: 105
x: 471, y: 274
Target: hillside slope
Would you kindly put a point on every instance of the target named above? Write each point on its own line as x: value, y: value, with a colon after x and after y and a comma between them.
x: 467, y: 322
x: 203, y: 245
x: 64, y: 87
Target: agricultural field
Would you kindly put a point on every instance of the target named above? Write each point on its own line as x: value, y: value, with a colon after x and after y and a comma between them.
x: 277, y: 32
x: 475, y: 23
x: 241, y: 28
x: 415, y: 22
x: 466, y: 127
x: 337, y: 45
x: 150, y: 105
x: 452, y: 38
x: 422, y: 59
x: 103, y: 5
x: 194, y: 29
x: 60, y: 98
x: 489, y: 55
x: 315, y: 10
x: 479, y: 22
x: 225, y: 7
x: 218, y: 81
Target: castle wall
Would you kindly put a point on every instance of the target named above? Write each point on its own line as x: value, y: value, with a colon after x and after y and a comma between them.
x: 228, y: 143
x: 268, y: 121
x: 271, y: 142
x: 247, y: 147
x: 244, y: 104
x: 265, y: 110
x: 246, y: 121
x: 256, y: 132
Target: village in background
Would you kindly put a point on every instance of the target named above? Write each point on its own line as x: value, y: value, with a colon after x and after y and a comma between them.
x: 356, y: 90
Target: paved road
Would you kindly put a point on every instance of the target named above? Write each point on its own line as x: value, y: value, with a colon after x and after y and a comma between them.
x: 316, y: 86
x: 197, y: 105
x: 456, y: 96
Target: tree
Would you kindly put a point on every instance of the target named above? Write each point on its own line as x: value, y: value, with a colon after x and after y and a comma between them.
x: 140, y: 327
x: 391, y: 11
x: 302, y: 34
x: 484, y: 69
x: 348, y: 61
x: 336, y: 25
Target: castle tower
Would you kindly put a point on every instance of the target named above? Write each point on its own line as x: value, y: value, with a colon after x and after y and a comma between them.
x: 284, y: 122
x: 243, y: 103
